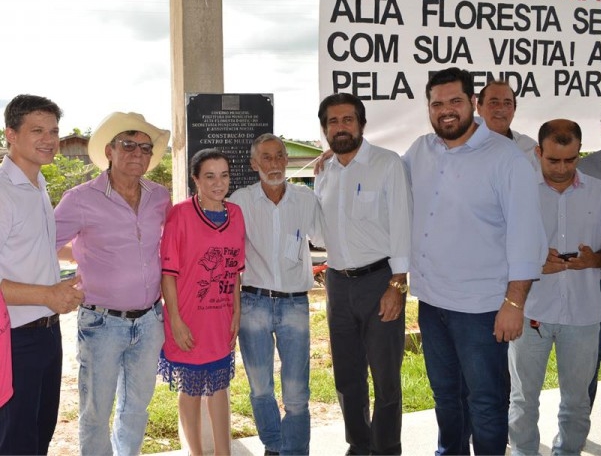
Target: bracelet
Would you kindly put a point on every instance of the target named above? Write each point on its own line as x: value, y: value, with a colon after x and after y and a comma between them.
x: 513, y: 304
x: 402, y: 287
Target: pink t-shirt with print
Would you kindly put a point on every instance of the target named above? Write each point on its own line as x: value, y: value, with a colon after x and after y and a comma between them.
x: 6, y: 368
x: 206, y: 260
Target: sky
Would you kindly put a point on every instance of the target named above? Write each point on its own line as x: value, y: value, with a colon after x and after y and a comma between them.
x: 93, y: 57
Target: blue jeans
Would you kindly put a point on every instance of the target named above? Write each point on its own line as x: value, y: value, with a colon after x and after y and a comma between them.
x: 28, y: 419
x: 287, y: 320
x: 576, y: 352
x: 116, y: 356
x: 592, y: 388
x: 467, y: 369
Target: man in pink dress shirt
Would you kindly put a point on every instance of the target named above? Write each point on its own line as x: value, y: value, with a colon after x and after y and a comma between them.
x: 115, y: 223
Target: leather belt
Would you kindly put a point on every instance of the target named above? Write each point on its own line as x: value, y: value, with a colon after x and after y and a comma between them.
x: 129, y: 314
x: 44, y: 322
x: 358, y: 272
x: 273, y: 294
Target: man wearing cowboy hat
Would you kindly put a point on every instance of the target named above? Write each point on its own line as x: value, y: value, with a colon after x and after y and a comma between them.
x: 115, y: 223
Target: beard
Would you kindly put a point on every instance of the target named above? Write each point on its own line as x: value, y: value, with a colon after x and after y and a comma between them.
x: 454, y: 132
x: 270, y: 180
x: 345, y: 143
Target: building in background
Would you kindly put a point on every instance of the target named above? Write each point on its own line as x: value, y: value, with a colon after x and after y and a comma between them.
x: 300, y: 162
x: 75, y: 146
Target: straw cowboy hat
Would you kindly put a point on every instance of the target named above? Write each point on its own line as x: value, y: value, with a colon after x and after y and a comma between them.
x: 119, y: 122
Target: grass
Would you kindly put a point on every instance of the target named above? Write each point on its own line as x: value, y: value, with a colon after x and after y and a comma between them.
x: 161, y: 433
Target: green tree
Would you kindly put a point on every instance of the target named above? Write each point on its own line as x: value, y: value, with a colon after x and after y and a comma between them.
x: 77, y: 131
x: 163, y: 172
x: 65, y: 173
x: 2, y: 138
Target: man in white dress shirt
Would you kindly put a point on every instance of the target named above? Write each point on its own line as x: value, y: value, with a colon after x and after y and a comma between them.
x: 496, y: 105
x: 366, y: 204
x: 279, y: 218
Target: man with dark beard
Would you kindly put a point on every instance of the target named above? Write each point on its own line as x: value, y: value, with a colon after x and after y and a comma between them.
x: 478, y: 242
x: 366, y: 205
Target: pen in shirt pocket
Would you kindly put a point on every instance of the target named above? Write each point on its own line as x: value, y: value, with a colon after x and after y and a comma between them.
x: 358, y: 188
x: 300, y: 245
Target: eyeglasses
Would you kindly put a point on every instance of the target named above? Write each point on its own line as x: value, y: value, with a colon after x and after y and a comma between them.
x: 130, y: 146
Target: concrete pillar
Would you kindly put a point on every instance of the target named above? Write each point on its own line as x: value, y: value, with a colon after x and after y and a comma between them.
x: 196, y: 66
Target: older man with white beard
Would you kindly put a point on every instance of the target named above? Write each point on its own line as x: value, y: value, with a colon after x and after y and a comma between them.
x: 279, y: 218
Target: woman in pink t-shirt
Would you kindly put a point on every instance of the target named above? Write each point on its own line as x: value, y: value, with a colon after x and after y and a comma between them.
x: 202, y: 255
x: 6, y: 368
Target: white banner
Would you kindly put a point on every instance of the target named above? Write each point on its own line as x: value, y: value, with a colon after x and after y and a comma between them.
x: 383, y: 51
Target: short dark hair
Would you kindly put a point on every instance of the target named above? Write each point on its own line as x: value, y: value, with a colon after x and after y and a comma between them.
x: 500, y: 83
x: 202, y: 156
x: 22, y: 105
x: 560, y: 131
x: 338, y: 99
x: 451, y: 75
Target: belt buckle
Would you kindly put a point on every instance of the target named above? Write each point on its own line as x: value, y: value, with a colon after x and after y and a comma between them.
x: 271, y: 297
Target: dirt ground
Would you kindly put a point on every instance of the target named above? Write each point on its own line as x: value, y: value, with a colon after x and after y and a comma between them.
x: 66, y: 442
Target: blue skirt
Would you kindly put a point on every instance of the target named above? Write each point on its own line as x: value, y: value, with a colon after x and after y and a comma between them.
x: 198, y: 379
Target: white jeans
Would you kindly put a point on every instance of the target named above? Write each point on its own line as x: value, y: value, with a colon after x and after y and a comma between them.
x: 576, y: 350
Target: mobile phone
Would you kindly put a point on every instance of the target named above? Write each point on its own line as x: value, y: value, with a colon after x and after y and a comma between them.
x: 565, y: 256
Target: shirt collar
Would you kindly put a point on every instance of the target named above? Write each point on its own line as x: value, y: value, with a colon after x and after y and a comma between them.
x: 361, y: 157
x: 16, y: 174
x: 259, y: 193
x: 103, y: 183
x: 473, y: 142
x: 579, y: 180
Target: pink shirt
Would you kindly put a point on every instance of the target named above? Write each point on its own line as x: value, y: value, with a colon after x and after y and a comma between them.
x: 205, y: 259
x: 6, y: 368
x: 117, y: 250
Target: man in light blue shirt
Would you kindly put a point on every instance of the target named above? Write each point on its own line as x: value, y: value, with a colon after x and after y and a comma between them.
x: 30, y: 276
x: 477, y: 244
x: 563, y: 307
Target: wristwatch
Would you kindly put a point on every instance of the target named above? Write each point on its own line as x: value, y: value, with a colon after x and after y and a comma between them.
x: 402, y: 287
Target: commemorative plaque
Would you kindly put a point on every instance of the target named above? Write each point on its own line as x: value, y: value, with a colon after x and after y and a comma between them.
x: 230, y: 123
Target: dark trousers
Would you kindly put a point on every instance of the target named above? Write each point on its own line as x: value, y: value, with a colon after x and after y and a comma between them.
x: 360, y: 340
x: 28, y: 419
